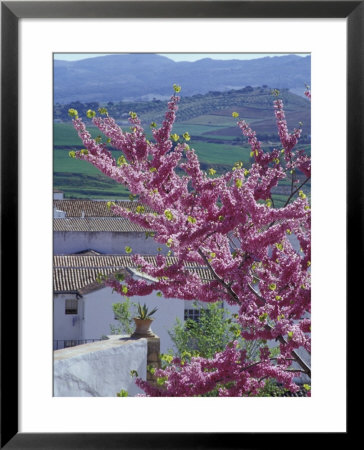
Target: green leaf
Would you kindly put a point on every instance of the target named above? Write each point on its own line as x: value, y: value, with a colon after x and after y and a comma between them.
x: 119, y: 276
x: 90, y: 114
x: 166, y: 357
x: 238, y: 165
x: 122, y: 393
x: 263, y: 317
x: 73, y: 113
x: 144, y: 313
x: 124, y: 289
x: 161, y: 380
x: 168, y: 214
x: 151, y: 369
x: 122, y: 161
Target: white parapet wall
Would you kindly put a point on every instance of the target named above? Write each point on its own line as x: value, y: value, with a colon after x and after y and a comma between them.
x: 107, y: 242
x: 100, y: 369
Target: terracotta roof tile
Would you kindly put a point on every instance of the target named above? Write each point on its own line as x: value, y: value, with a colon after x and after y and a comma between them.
x: 75, y: 279
x: 90, y: 224
x: 93, y: 208
x: 93, y: 261
x: 78, y: 273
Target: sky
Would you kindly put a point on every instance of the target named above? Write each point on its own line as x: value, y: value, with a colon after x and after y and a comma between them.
x: 178, y: 56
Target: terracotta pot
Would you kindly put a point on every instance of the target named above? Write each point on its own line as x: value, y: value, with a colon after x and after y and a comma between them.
x: 142, y: 328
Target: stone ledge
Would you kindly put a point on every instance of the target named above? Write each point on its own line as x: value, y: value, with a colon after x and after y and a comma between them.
x: 112, y: 341
x: 100, y: 369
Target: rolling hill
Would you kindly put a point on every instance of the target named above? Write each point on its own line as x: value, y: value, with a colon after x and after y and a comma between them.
x: 125, y: 77
x: 208, y: 119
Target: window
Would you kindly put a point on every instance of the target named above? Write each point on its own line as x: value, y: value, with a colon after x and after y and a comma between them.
x: 71, y: 306
x: 192, y: 314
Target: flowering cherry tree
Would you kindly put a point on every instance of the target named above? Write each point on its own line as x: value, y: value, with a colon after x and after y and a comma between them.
x: 229, y: 224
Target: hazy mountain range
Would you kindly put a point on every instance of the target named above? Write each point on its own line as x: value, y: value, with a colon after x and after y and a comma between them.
x: 146, y: 76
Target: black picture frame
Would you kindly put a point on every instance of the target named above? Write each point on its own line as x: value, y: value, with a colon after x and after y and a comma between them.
x: 11, y: 12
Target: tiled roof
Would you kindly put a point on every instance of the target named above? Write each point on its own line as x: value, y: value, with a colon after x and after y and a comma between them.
x: 93, y: 261
x: 74, y: 279
x: 92, y: 208
x: 111, y: 224
x: 78, y: 273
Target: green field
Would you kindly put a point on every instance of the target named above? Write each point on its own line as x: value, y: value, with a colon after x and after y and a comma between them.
x: 82, y: 185
x: 195, y: 129
x: 79, y: 179
x: 220, y: 154
x: 65, y: 135
x: 214, y: 133
x: 76, y: 178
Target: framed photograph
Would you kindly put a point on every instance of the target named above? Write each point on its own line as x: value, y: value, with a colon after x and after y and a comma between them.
x: 331, y: 35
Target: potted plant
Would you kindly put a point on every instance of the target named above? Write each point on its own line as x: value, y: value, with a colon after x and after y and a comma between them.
x: 143, y: 322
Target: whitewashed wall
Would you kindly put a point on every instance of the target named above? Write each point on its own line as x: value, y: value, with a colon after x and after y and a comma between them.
x: 58, y: 196
x: 99, y: 370
x: 66, y: 242
x: 95, y: 315
x: 66, y: 326
x: 98, y: 314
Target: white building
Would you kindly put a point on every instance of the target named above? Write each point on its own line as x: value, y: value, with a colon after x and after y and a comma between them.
x: 82, y: 308
x: 58, y: 195
x: 79, y: 225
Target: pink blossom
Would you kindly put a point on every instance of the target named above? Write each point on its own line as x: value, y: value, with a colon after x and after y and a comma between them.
x: 229, y: 226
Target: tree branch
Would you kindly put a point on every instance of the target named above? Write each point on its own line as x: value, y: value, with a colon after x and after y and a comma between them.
x: 217, y: 278
x: 294, y: 192
x: 297, y: 358
x: 280, y: 338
